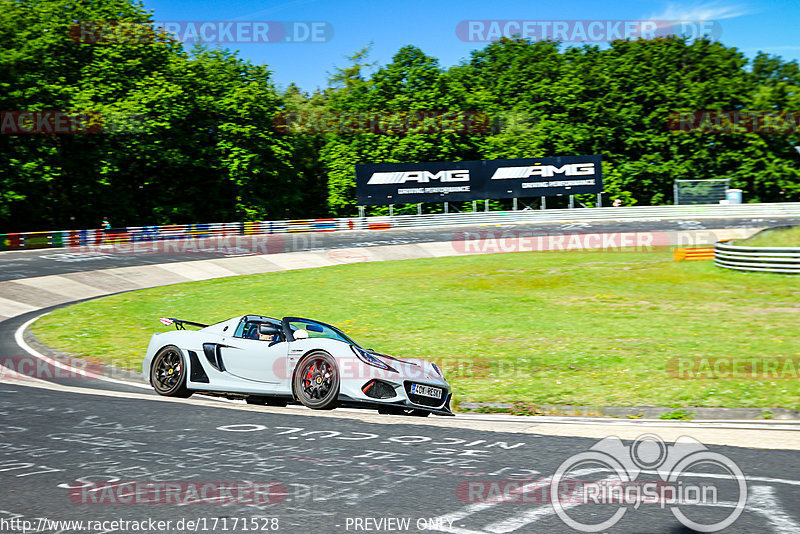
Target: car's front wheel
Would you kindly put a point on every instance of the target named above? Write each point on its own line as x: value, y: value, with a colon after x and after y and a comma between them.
x: 316, y: 381
x: 168, y: 373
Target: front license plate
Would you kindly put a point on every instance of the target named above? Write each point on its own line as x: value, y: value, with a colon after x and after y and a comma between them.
x: 426, y: 391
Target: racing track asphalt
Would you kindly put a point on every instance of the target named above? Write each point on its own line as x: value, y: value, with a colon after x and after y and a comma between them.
x: 341, y: 471
x: 30, y: 263
x: 330, y: 470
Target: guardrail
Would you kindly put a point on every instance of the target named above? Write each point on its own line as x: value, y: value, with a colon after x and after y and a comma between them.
x: 76, y: 238
x: 630, y: 213
x: 784, y: 260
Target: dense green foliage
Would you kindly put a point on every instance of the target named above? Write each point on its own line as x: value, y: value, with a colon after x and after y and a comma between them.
x: 195, y: 139
x: 187, y: 137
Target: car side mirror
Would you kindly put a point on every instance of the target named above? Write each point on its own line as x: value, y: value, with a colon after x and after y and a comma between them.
x: 300, y: 334
x: 268, y: 330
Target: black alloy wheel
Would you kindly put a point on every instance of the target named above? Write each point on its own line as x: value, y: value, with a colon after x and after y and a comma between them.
x: 316, y: 381
x: 168, y: 373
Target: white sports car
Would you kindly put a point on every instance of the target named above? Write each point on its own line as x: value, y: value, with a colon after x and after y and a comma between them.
x: 277, y: 362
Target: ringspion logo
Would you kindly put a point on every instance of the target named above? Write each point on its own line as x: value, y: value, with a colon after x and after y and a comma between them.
x: 690, y: 478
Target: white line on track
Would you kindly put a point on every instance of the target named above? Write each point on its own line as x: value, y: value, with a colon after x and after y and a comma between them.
x: 19, y: 338
x: 789, y: 424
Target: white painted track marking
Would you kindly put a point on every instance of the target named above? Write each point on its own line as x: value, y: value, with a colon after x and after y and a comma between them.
x: 761, y: 501
x: 18, y: 337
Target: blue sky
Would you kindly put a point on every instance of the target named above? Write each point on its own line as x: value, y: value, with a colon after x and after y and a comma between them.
x: 770, y: 26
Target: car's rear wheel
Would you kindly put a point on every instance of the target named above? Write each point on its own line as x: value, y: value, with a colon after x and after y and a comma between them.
x: 168, y: 373
x: 316, y: 381
x: 268, y: 401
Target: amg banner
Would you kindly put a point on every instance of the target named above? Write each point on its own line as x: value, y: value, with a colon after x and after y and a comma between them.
x: 409, y: 183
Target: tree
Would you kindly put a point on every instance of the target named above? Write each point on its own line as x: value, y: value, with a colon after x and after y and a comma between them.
x: 183, y: 136
x: 399, y: 95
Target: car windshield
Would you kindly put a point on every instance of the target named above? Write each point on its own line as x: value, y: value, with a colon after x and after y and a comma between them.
x: 316, y: 329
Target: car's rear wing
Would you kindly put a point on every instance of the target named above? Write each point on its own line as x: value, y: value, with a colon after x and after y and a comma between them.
x: 180, y: 324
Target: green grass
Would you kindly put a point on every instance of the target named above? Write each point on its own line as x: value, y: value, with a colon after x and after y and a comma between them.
x: 679, y: 414
x: 549, y: 328
x: 779, y: 237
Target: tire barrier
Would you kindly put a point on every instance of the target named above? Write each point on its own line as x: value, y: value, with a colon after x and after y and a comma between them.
x: 784, y: 260
x: 74, y: 238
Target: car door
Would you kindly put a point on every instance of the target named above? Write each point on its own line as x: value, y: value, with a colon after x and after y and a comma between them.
x: 252, y: 359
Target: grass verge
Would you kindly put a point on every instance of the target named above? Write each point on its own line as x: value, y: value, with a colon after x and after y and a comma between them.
x: 778, y: 237
x: 581, y: 328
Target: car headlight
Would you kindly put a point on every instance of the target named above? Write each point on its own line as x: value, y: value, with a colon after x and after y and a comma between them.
x: 370, y: 359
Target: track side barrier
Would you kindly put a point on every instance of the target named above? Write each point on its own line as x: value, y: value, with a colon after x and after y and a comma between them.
x: 14, y: 242
x: 33, y: 240
x: 783, y: 260
x: 299, y: 225
x: 324, y: 225
x: 694, y: 253
x: 75, y: 238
